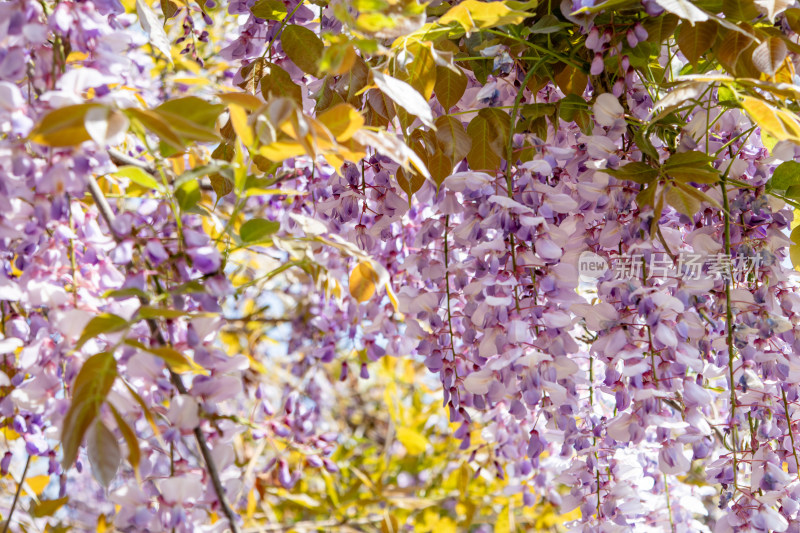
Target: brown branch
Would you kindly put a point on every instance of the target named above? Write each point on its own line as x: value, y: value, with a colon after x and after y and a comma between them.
x: 118, y: 158
x: 108, y: 216
x: 16, y: 494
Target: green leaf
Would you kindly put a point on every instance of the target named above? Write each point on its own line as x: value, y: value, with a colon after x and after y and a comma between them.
x: 691, y: 166
x: 174, y: 359
x: 786, y: 175
x: 571, y: 80
x: 422, y: 71
x: 104, y: 455
x: 793, y: 192
x: 277, y: 83
x: 188, y: 195
x: 647, y: 196
x: 682, y: 201
x: 440, y: 166
x: 138, y: 176
x: 134, y: 452
x: 549, y: 24
x: 105, y: 323
x: 121, y: 294
x: 698, y: 194
x: 89, y: 391
x: 188, y: 129
x: 192, y: 109
x: 158, y: 126
x: 146, y: 312
x: 257, y: 229
x: 659, y: 29
x: 450, y: 86
x: 269, y: 10
x: 695, y: 40
x: 409, y: 181
x: 303, y: 47
x: 642, y: 141
x: 482, y: 134
x: 635, y: 171
x: 453, y: 140
x: 740, y: 10
x: 221, y: 184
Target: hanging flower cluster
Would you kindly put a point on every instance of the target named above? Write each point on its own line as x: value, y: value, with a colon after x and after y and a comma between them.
x: 218, y: 221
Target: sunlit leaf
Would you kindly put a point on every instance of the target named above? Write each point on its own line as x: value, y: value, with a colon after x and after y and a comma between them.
x: 635, y: 171
x: 269, y: 10
x: 158, y: 126
x: 63, y: 127
x: 685, y: 9
x: 89, y: 391
x: 473, y: 14
x: 277, y: 83
x: 303, y: 47
x: 695, y: 40
x: 405, y: 96
x: 773, y: 7
x: 138, y: 176
x: 47, y: 507
x: 342, y: 120
x: 363, y: 280
x: 258, y: 229
x: 154, y: 29
x: 238, y: 117
x: 105, y: 323
x: 134, y: 452
x: 414, y: 442
x: 786, y: 175
x: 422, y: 71
x: 769, y: 55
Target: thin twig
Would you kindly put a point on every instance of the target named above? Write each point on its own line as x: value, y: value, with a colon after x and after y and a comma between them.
x: 16, y: 494
x: 108, y: 216
x: 316, y: 525
x: 118, y: 158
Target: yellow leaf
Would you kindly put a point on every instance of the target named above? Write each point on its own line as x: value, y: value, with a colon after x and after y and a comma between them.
x: 280, y: 150
x: 474, y: 14
x: 342, y: 120
x: 794, y: 255
x: 775, y: 122
x: 414, y: 441
x: 503, y: 521
x: 38, y: 483
x: 363, y: 279
x: 251, y: 504
x: 246, y: 100
x: 63, y: 127
x: 240, y: 125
